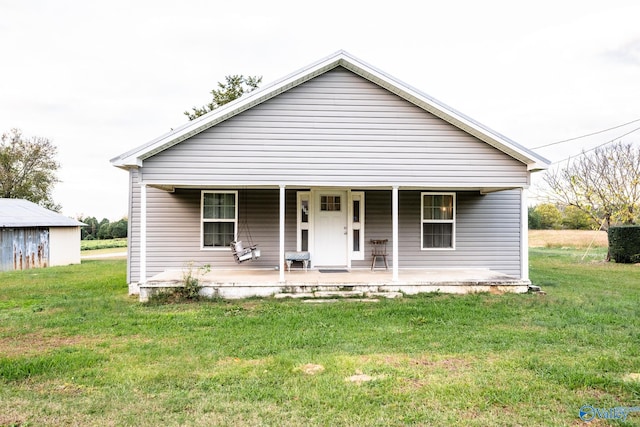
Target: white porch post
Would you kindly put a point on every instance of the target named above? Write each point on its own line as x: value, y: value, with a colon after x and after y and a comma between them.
x: 282, y: 208
x: 143, y: 233
x: 524, y: 234
x: 394, y: 220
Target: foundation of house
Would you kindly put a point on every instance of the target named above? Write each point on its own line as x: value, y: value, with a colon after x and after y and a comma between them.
x: 237, y: 284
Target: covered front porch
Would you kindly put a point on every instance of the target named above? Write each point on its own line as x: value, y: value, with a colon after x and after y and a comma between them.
x: 238, y: 283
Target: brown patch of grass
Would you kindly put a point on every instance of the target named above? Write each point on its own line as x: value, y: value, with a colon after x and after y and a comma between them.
x: 451, y: 364
x: 226, y: 361
x: 56, y: 387
x: 310, y: 369
x: 36, y: 343
x: 567, y: 238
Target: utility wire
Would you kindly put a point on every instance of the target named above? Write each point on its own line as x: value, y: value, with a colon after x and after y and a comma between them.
x: 584, y: 136
x: 598, y: 146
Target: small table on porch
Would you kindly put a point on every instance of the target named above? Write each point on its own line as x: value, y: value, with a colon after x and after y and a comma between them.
x: 302, y: 256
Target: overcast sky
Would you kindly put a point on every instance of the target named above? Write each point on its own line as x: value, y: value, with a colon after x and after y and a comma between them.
x: 100, y: 78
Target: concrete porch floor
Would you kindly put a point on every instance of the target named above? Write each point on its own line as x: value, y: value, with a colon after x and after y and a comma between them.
x: 234, y: 284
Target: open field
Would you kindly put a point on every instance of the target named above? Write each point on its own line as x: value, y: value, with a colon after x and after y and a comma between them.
x: 76, y: 350
x: 567, y: 238
x: 89, y: 245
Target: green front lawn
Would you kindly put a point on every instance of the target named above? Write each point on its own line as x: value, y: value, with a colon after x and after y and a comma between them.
x: 76, y: 350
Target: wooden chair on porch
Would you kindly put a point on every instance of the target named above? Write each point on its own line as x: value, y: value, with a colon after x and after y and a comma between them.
x: 379, y: 250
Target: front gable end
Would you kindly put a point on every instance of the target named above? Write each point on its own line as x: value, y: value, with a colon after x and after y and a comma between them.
x: 337, y: 102
x: 335, y: 129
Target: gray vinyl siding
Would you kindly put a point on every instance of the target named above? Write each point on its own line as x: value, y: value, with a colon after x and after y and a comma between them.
x: 336, y: 129
x: 487, y: 231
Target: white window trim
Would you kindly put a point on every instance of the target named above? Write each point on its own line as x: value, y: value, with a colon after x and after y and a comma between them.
x: 356, y: 195
x: 438, y: 221
x: 203, y: 220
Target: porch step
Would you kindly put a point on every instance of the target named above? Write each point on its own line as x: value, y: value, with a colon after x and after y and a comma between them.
x: 343, y: 294
x: 336, y: 295
x: 389, y: 295
x: 294, y: 295
x: 329, y: 300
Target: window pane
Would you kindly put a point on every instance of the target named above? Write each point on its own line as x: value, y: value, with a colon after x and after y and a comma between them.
x: 207, y: 206
x: 438, y: 206
x: 218, y: 234
x: 219, y: 206
x: 330, y: 203
x: 428, y: 206
x: 437, y: 235
x: 446, y: 208
x: 304, y: 215
x: 356, y: 211
x: 356, y: 240
x: 304, y: 240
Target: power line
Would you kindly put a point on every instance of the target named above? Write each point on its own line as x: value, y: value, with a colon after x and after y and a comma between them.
x: 598, y: 146
x: 584, y: 136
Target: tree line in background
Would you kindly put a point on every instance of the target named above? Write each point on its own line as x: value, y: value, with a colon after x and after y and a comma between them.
x: 104, y: 229
x: 548, y: 216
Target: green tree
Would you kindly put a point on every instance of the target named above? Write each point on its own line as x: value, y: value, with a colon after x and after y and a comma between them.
x: 28, y: 168
x: 534, y: 219
x: 575, y: 219
x: 234, y: 87
x: 549, y: 215
x: 118, y: 229
x: 103, y: 229
x: 89, y: 231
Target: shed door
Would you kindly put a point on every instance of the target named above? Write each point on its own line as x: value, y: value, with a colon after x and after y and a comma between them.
x: 330, y: 229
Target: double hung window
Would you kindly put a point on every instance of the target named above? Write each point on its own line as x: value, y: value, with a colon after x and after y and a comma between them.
x: 438, y: 220
x: 219, y: 218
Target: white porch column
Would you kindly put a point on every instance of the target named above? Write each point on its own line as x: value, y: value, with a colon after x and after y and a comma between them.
x: 282, y: 208
x: 394, y: 220
x: 143, y: 233
x: 524, y: 234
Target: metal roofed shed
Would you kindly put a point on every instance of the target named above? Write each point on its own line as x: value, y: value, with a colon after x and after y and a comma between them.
x: 34, y: 237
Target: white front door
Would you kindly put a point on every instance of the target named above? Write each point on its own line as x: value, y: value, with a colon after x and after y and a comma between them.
x: 330, y: 228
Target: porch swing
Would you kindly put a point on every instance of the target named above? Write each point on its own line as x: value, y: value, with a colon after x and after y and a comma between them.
x: 241, y: 252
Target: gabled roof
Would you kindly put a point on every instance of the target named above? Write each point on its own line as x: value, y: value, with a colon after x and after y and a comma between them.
x: 135, y: 157
x: 23, y: 213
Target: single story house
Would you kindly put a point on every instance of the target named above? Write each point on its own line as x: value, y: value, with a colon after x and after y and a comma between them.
x: 322, y: 162
x: 34, y: 237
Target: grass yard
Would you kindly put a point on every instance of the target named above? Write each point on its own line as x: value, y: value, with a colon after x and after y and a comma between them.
x: 76, y: 350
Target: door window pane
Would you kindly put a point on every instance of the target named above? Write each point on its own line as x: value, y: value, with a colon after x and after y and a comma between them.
x: 329, y: 203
